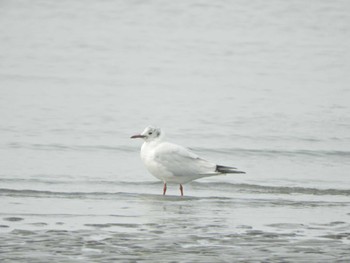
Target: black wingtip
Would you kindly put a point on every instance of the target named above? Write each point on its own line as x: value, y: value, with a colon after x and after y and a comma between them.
x: 227, y: 170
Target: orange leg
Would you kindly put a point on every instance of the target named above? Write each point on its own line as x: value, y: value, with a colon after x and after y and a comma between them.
x: 164, y: 189
x: 181, y: 190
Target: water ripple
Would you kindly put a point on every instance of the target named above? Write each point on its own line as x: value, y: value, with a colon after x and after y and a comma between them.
x: 228, y: 150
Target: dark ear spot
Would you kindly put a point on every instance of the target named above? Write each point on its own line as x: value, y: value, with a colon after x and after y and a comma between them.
x: 158, y: 133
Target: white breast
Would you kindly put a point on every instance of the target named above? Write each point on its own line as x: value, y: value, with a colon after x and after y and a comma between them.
x: 148, y: 156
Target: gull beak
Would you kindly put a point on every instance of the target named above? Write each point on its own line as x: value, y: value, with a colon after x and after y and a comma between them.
x: 137, y: 136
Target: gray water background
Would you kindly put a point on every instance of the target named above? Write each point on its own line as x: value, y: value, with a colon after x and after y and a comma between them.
x: 260, y: 85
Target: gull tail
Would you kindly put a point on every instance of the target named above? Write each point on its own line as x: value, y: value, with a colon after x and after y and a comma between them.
x: 227, y: 170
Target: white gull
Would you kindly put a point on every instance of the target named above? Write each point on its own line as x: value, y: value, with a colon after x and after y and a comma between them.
x: 173, y: 163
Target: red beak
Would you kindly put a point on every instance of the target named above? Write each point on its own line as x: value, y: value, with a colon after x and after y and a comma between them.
x: 137, y: 136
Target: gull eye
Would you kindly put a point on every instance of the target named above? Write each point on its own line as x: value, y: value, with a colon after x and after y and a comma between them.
x: 150, y: 133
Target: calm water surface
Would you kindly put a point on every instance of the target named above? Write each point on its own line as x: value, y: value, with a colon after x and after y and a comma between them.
x: 262, y: 86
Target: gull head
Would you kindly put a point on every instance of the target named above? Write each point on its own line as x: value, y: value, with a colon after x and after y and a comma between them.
x: 149, y: 134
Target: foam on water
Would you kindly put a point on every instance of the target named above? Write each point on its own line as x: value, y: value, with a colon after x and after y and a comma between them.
x: 195, y: 228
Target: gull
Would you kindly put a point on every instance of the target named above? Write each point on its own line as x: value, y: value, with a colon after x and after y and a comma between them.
x: 172, y: 163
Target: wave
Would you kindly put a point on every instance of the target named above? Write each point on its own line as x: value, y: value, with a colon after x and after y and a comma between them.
x: 101, y: 195
x: 233, y: 151
x: 275, y: 152
x: 41, y: 193
x: 229, y: 187
x: 266, y: 189
x: 65, y: 147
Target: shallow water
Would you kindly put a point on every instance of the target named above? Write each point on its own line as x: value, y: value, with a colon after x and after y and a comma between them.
x: 233, y: 222
x: 260, y: 86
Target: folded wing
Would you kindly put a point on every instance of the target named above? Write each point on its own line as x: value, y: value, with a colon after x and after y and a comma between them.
x: 180, y: 161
